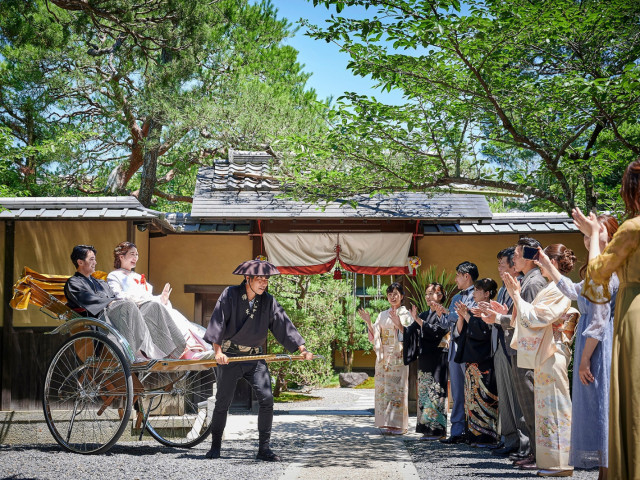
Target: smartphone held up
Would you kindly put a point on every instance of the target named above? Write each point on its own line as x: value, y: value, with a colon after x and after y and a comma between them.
x: 529, y: 253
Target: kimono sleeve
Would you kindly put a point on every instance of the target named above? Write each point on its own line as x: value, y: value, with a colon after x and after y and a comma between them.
x: 623, y: 244
x: 79, y: 294
x: 478, y: 329
x: 546, y: 308
x: 569, y: 289
x: 219, y: 318
x: 411, y: 343
x: 433, y: 331
x: 115, y: 282
x: 283, y: 329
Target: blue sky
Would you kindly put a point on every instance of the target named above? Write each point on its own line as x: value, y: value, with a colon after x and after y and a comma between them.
x: 330, y: 77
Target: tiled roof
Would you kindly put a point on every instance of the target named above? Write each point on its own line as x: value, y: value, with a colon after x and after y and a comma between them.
x: 242, y: 189
x: 78, y: 208
x: 519, y: 222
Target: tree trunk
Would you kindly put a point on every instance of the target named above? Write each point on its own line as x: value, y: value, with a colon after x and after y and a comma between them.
x: 589, y: 192
x: 348, y: 366
x: 280, y: 385
x: 149, y: 176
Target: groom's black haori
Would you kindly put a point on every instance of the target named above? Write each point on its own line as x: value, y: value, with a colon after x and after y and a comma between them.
x: 241, y: 328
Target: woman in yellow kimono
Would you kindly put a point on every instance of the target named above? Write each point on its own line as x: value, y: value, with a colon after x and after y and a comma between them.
x: 543, y: 333
x: 622, y: 257
x: 392, y: 375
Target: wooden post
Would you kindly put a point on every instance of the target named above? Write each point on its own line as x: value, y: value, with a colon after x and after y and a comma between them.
x: 6, y: 352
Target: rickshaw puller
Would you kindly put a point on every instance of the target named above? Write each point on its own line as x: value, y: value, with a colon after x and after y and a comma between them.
x: 239, y: 325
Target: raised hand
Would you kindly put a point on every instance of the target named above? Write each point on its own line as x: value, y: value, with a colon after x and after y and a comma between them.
x: 500, y: 308
x: 414, y: 315
x: 487, y: 315
x: 587, y: 225
x: 512, y: 285
x: 364, y: 315
x: 461, y: 309
x: 543, y: 260
x: 395, y: 318
x: 166, y: 291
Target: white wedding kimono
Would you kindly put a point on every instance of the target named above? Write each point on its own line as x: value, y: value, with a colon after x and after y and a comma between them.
x: 129, y: 285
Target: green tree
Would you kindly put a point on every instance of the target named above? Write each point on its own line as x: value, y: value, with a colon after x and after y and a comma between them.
x: 314, y: 305
x: 535, y: 97
x: 152, y: 104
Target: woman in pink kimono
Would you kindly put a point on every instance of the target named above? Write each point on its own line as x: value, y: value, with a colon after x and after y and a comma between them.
x: 392, y: 375
x: 543, y: 333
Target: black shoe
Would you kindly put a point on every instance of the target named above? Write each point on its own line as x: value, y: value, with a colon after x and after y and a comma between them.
x: 514, y: 457
x: 268, y: 456
x: 453, y: 439
x: 213, y: 453
x: 504, y: 451
x: 494, y: 446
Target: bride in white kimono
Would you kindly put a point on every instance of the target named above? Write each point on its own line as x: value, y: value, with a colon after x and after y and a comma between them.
x: 543, y: 334
x: 129, y: 285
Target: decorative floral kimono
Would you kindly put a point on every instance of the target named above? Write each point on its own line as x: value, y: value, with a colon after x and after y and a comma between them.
x: 480, y: 388
x: 130, y: 285
x: 543, y: 333
x: 423, y: 343
x: 622, y: 257
x: 392, y: 375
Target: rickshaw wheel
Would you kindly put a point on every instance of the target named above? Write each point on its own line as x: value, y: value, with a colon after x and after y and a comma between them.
x: 88, y: 393
x: 178, y: 406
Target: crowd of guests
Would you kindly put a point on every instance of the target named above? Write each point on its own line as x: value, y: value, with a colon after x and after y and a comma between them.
x: 506, y: 351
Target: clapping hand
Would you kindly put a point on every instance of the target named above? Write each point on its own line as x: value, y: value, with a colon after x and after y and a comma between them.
x: 462, y: 310
x: 512, y: 285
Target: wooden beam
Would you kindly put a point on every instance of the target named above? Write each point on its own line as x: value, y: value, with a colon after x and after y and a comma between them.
x: 7, y: 324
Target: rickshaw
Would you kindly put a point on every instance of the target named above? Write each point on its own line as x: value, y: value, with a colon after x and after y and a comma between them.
x: 93, y: 381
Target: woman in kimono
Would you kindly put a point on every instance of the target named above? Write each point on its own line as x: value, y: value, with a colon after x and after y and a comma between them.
x: 129, y: 285
x: 592, y: 363
x: 391, y: 375
x: 422, y: 340
x: 543, y: 331
x: 621, y: 256
x: 474, y: 349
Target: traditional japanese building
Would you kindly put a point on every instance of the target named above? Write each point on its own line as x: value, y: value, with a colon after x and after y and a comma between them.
x: 238, y: 213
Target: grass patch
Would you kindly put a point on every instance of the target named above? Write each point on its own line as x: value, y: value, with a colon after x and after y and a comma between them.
x: 334, y: 382
x: 291, y: 397
x: 368, y: 383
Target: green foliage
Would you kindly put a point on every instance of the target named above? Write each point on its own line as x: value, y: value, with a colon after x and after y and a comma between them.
x: 539, y: 98
x: 124, y: 98
x: 314, y: 305
x: 422, y: 279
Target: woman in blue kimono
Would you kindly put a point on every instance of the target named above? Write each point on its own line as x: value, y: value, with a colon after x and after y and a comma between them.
x: 591, y: 363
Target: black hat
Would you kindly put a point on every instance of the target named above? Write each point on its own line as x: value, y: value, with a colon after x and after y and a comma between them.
x: 256, y: 268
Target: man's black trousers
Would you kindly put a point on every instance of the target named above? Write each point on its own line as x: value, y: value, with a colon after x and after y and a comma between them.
x: 257, y: 374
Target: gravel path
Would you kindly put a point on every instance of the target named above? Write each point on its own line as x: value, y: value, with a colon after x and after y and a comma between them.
x: 142, y: 461
x: 308, y: 436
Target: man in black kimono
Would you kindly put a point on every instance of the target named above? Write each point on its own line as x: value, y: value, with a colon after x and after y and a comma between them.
x: 148, y: 328
x: 239, y: 325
